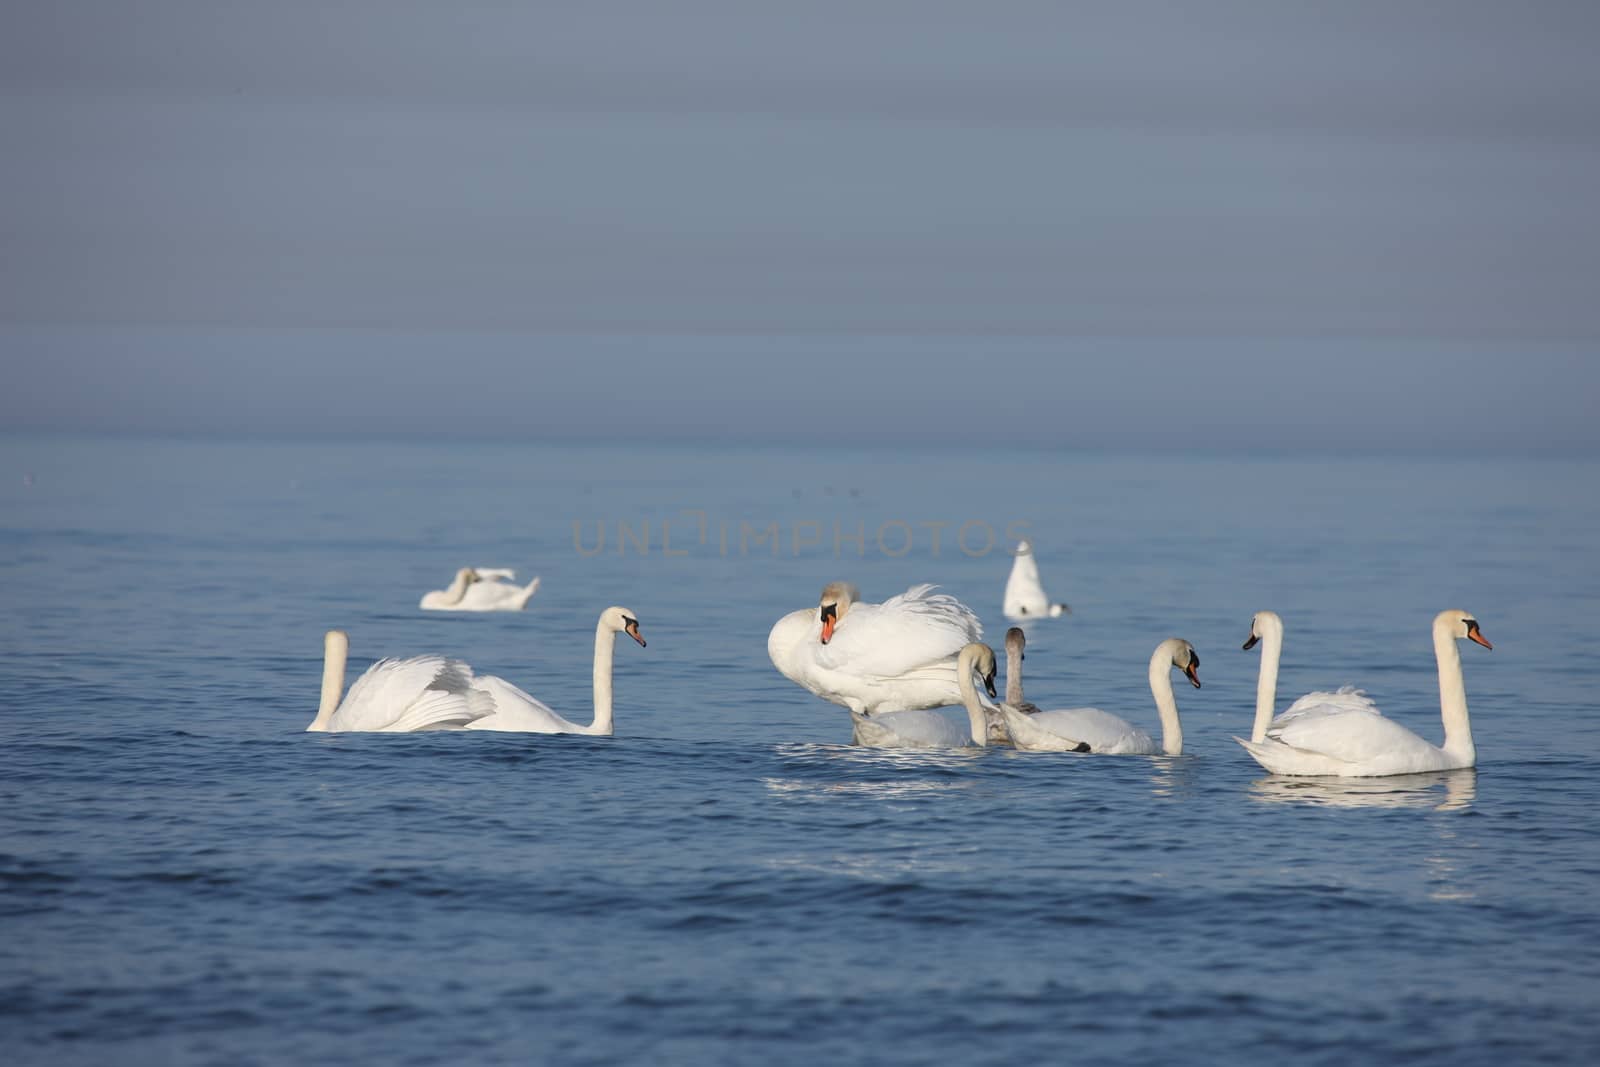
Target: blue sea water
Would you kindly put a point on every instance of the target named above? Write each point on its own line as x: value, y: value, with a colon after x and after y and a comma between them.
x: 186, y: 877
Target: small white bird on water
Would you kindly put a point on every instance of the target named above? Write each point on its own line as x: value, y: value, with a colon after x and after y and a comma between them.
x: 1025, y: 596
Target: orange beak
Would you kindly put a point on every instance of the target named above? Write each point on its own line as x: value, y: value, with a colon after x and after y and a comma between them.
x: 1474, y: 635
x: 830, y: 619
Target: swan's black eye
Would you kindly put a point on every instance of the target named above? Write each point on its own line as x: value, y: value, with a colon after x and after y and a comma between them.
x: 630, y: 622
x: 1194, y: 658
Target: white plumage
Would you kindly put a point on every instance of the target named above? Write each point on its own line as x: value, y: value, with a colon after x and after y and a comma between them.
x: 895, y: 656
x: 396, y: 695
x: 1025, y: 597
x: 1350, y: 738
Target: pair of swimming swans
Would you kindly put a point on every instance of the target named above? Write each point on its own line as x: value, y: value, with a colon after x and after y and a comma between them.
x: 435, y: 693
x: 481, y: 589
x: 1340, y: 733
x: 1343, y: 733
x: 1028, y: 728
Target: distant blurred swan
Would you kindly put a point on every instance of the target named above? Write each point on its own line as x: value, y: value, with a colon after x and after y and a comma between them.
x: 1357, y: 742
x: 1067, y: 730
x: 896, y: 656
x: 481, y: 589
x: 516, y: 711
x: 930, y: 729
x: 1025, y: 596
x: 396, y: 695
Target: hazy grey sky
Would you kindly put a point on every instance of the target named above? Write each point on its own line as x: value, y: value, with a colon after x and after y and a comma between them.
x: 1124, y: 223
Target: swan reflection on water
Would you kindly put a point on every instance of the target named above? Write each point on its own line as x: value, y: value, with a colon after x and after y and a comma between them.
x: 821, y: 769
x: 1460, y: 789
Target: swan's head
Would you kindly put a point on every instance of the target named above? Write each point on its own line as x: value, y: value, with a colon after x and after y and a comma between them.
x: 1016, y: 641
x: 979, y: 658
x: 835, y: 602
x: 1460, y: 624
x: 467, y: 575
x: 1263, y: 623
x: 621, y: 620
x: 1023, y: 549
x: 1185, y: 658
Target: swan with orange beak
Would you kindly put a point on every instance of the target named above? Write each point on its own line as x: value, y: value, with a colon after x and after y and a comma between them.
x: 895, y: 656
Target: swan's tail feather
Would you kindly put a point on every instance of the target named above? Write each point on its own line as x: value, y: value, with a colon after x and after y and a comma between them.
x: 433, y: 711
x: 449, y: 702
x: 1269, y: 755
x: 527, y: 593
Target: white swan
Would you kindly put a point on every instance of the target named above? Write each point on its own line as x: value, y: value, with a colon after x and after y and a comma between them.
x: 930, y: 729
x: 395, y: 695
x: 481, y: 590
x: 1360, y: 743
x: 1025, y: 597
x: 513, y: 710
x: 1267, y: 628
x: 896, y: 656
x: 1104, y: 733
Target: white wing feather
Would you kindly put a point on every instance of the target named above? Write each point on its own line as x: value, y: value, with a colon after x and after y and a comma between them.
x: 906, y: 633
x: 406, y: 695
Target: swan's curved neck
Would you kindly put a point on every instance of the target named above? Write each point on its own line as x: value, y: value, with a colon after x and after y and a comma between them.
x: 1166, y: 703
x: 458, y: 589
x: 1453, y: 696
x: 977, y: 723
x: 1267, y: 679
x: 1013, y: 676
x: 335, y: 649
x: 605, y: 642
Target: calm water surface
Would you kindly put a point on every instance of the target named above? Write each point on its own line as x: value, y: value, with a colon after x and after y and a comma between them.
x: 187, y: 877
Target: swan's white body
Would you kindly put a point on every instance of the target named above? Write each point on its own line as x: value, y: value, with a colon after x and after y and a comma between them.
x: 1267, y: 628
x: 396, y: 695
x: 1025, y: 596
x: 896, y: 656
x: 1358, y: 742
x: 1106, y: 734
x: 487, y: 589
x: 512, y: 710
x: 930, y: 729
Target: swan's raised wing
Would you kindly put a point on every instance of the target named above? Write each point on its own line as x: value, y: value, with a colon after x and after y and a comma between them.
x: 496, y: 574
x: 906, y: 633
x: 1345, y: 698
x: 405, y: 695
